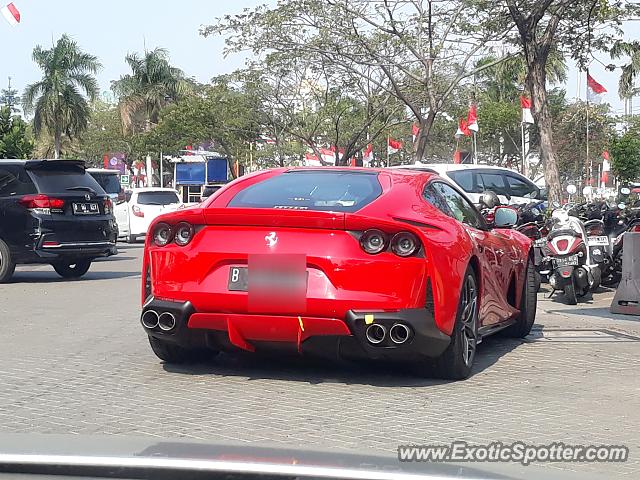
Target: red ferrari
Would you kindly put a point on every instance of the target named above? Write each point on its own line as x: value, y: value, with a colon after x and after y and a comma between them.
x: 347, y: 262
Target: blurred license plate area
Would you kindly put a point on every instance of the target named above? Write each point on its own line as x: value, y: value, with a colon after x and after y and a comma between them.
x: 566, y: 261
x: 86, y: 208
x: 275, y: 283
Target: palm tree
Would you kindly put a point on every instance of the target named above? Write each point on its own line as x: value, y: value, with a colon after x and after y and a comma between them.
x: 630, y: 71
x: 57, y: 101
x: 152, y: 84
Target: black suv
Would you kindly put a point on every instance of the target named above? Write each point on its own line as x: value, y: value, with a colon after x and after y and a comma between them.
x: 52, y: 211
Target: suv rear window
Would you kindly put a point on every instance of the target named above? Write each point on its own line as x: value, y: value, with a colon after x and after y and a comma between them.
x: 312, y: 190
x: 61, y: 178
x: 109, y: 182
x: 15, y: 181
x: 157, y: 198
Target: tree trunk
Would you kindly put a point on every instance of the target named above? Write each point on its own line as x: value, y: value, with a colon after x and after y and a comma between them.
x: 57, y: 143
x: 537, y: 85
x: 425, y: 129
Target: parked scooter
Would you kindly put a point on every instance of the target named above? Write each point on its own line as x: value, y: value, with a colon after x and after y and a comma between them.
x: 567, y: 250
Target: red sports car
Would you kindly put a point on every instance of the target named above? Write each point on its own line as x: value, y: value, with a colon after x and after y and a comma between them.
x: 346, y: 262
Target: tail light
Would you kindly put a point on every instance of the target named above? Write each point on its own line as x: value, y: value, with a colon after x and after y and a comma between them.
x: 563, y: 245
x: 635, y: 228
x: 404, y: 244
x: 162, y: 234
x: 373, y: 241
x: 108, y: 206
x: 137, y: 211
x: 41, y: 203
x: 184, y: 233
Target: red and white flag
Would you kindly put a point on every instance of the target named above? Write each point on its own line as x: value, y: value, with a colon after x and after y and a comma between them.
x: 594, y: 90
x: 472, y: 118
x: 11, y: 14
x: 463, y: 129
x: 367, y: 156
x: 328, y: 155
x: 606, y: 168
x: 415, y: 131
x: 525, y: 103
x: 393, y: 146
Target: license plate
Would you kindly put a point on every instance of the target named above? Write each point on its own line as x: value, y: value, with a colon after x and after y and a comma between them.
x: 86, y: 208
x: 600, y: 240
x: 540, y: 242
x: 238, y: 279
x: 570, y: 261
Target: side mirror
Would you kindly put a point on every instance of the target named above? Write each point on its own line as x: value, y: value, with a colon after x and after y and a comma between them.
x: 505, y: 217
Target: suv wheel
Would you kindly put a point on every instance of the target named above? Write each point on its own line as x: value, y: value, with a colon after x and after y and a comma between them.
x: 72, y: 269
x: 7, y: 265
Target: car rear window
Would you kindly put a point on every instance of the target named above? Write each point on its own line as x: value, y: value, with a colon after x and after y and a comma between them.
x: 109, y: 182
x: 312, y: 190
x: 60, y: 179
x: 157, y: 198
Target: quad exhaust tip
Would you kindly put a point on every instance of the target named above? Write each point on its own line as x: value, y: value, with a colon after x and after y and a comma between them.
x: 399, y: 333
x: 150, y: 319
x: 376, y: 333
x: 166, y: 321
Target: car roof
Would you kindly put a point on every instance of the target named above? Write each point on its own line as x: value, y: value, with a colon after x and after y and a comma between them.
x: 399, y: 173
x: 449, y: 167
x: 38, y: 161
x: 153, y: 189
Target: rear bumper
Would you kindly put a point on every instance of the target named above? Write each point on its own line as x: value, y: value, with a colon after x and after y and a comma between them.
x: 333, y: 337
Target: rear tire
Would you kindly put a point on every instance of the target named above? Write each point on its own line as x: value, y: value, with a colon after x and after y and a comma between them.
x: 528, y: 305
x: 7, y: 265
x: 72, y: 269
x: 132, y: 239
x: 570, y: 293
x: 172, y: 353
x: 456, y: 361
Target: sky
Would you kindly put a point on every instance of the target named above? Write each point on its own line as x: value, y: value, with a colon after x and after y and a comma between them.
x: 111, y: 29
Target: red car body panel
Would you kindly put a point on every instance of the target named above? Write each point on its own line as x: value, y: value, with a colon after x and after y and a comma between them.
x: 341, y: 276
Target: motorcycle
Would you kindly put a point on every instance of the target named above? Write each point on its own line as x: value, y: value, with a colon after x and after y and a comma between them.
x: 531, y: 222
x: 568, y: 253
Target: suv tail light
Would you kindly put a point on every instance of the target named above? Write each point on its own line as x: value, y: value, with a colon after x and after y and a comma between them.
x: 635, y: 228
x: 108, y: 206
x: 41, y: 203
x: 137, y: 211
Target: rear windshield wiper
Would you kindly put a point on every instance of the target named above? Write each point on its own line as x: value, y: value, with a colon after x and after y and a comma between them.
x: 85, y: 189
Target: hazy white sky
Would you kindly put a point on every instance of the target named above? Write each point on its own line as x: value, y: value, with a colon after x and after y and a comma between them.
x: 110, y: 29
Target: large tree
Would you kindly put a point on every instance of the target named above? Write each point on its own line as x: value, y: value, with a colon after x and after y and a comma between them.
x: 568, y: 25
x: 152, y: 84
x: 15, y: 138
x: 58, y: 101
x: 418, y: 51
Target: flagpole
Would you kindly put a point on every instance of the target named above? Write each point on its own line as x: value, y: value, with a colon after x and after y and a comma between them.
x: 475, y: 149
x: 524, y: 158
x: 589, y: 162
x: 388, y: 159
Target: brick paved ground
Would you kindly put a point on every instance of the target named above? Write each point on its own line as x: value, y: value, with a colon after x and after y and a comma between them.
x: 74, y: 360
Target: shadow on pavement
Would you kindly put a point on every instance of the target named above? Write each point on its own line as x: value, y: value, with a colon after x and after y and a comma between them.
x: 46, y: 276
x: 316, y: 371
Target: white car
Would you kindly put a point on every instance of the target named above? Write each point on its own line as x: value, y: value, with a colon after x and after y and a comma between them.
x: 512, y: 187
x: 141, y: 207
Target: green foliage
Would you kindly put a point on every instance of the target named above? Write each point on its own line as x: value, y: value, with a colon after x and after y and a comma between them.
x: 570, y: 133
x: 103, y: 135
x: 625, y: 157
x: 152, y: 84
x: 15, y: 138
x: 57, y: 102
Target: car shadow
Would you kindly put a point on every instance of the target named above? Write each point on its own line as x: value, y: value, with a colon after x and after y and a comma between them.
x: 46, y: 276
x: 316, y: 371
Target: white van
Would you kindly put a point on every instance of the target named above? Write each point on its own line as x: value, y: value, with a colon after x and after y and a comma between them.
x: 140, y: 207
